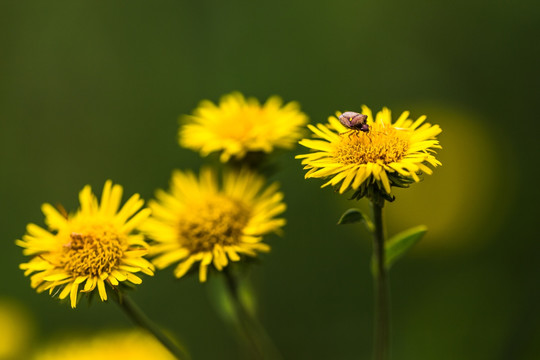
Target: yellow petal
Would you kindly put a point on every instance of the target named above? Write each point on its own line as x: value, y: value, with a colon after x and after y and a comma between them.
x: 203, y: 270
x: 101, y: 290
x: 53, y: 218
x: 385, y: 182
x: 134, y: 278
x: 184, y: 266
x: 73, y: 294
x: 65, y: 291
x: 90, y: 284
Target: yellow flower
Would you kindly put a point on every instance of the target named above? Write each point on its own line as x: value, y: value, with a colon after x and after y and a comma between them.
x: 132, y: 345
x: 16, y: 329
x: 198, y: 221
x: 238, y: 125
x: 94, y: 246
x: 388, y: 154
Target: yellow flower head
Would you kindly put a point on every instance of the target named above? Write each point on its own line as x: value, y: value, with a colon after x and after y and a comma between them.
x: 132, y: 345
x: 88, y: 249
x: 382, y: 153
x: 201, y: 221
x: 238, y: 125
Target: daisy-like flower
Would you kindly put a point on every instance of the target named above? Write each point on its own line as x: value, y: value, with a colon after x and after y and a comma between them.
x: 132, y: 345
x: 383, y: 154
x: 238, y: 125
x: 199, y: 221
x: 89, y: 249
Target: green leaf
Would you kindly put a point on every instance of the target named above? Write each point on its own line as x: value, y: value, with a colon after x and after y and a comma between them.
x: 399, y: 244
x: 354, y: 215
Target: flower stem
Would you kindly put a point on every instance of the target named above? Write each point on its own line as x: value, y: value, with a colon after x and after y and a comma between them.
x: 134, y: 312
x: 381, y: 286
x: 260, y: 344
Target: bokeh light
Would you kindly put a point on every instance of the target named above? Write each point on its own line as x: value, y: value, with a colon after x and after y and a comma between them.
x: 110, y: 345
x: 464, y: 201
x: 16, y: 329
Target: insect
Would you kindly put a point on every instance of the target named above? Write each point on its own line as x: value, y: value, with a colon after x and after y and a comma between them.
x: 358, y: 122
x: 354, y: 122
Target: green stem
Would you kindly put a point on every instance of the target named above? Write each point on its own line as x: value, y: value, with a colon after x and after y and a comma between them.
x: 381, y: 284
x: 260, y: 344
x: 134, y: 312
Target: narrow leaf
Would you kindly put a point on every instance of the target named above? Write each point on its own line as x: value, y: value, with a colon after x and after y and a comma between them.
x: 354, y: 215
x: 399, y: 244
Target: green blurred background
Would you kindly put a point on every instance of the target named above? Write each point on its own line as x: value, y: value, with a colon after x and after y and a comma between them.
x: 91, y: 90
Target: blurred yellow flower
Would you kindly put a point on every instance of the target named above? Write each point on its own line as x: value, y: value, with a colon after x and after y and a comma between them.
x: 388, y: 154
x: 238, y: 125
x: 16, y: 329
x: 94, y: 246
x: 198, y: 221
x: 132, y: 345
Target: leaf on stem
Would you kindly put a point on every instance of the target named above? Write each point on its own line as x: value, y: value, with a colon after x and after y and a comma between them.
x: 400, y: 243
x: 354, y: 215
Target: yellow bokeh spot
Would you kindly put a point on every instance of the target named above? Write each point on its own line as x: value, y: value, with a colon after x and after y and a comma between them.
x: 462, y: 201
x: 132, y: 345
x: 16, y: 329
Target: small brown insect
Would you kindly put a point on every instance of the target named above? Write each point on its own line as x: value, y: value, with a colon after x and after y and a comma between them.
x: 354, y: 121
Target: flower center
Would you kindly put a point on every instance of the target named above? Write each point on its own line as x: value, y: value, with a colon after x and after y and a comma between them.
x: 93, y: 252
x: 240, y: 125
x: 217, y: 221
x: 380, y: 144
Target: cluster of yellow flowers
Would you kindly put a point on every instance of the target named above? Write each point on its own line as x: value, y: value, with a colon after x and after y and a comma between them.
x: 210, y: 219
